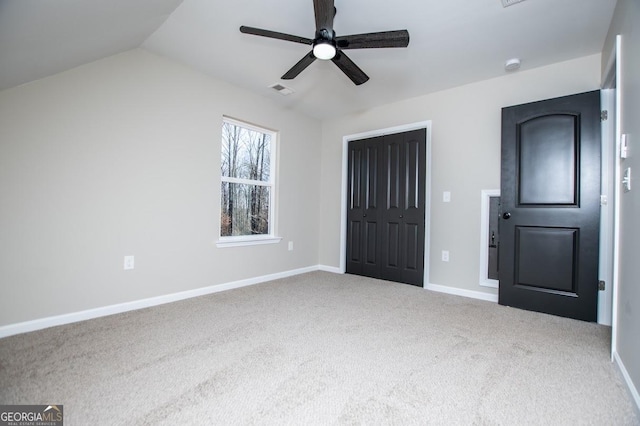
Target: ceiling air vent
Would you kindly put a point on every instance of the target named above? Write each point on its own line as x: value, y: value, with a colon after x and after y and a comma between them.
x: 283, y: 90
x: 506, y: 3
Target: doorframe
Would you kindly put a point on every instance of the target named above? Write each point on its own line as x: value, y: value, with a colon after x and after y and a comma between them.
x: 612, y: 100
x: 345, y: 175
x: 607, y: 207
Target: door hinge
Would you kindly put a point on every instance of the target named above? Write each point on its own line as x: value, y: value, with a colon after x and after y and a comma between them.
x: 604, y: 115
x: 601, y: 285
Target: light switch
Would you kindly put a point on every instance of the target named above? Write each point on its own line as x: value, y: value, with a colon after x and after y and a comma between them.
x: 446, y: 197
x: 624, y: 145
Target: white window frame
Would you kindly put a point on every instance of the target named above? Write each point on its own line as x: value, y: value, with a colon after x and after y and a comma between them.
x: 250, y: 240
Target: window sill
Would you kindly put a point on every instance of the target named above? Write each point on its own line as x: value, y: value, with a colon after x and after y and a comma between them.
x: 247, y: 241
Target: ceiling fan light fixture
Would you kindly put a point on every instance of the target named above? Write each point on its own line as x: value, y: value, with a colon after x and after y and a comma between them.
x: 324, y: 50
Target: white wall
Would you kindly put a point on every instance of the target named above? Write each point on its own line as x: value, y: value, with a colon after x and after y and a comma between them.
x: 625, y: 22
x: 465, y: 158
x: 121, y: 157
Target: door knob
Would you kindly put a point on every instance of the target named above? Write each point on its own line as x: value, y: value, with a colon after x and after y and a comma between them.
x: 506, y: 215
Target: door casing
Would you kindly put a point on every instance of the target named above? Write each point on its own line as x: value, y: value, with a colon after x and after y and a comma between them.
x: 612, y: 101
x: 343, y: 203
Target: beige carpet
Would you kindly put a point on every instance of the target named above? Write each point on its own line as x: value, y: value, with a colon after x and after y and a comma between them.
x: 323, y: 349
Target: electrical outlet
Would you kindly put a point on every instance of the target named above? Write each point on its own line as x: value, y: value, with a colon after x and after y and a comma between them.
x: 626, y: 179
x: 445, y: 255
x: 128, y: 263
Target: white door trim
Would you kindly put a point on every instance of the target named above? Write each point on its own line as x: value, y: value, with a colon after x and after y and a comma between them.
x: 612, y: 98
x: 345, y: 171
x: 607, y: 190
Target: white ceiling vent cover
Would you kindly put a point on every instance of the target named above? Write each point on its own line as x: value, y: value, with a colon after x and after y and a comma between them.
x: 506, y: 3
x: 283, y: 90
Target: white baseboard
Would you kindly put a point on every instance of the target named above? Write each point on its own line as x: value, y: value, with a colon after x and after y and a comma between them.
x: 42, y: 323
x: 461, y: 292
x: 331, y: 269
x: 627, y: 378
x: 39, y: 324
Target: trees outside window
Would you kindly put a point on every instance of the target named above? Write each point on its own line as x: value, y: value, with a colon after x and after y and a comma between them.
x: 247, y: 180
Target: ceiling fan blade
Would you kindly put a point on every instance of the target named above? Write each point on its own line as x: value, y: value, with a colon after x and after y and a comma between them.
x: 350, y: 68
x: 399, y: 38
x: 276, y: 35
x: 299, y: 67
x: 324, y: 11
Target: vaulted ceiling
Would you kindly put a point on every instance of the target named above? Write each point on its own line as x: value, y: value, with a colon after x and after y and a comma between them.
x: 453, y: 42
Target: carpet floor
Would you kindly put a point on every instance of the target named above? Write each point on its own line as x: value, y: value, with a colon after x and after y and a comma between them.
x: 321, y: 348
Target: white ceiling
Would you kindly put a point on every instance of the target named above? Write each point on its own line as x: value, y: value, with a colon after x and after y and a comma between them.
x: 453, y: 42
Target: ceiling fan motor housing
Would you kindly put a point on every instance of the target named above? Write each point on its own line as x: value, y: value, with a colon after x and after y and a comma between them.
x: 325, y: 34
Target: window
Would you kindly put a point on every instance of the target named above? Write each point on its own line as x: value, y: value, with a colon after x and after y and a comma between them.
x: 247, y: 184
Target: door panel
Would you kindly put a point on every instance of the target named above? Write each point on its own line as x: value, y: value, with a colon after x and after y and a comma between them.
x: 550, y: 200
x: 392, y: 247
x: 392, y: 162
x: 413, y: 214
x: 363, y: 252
x: 411, y: 232
x: 547, y: 159
x: 354, y: 242
x: 371, y: 176
x: 371, y: 243
x: 355, y: 222
x: 392, y: 215
x: 412, y: 173
x: 546, y: 258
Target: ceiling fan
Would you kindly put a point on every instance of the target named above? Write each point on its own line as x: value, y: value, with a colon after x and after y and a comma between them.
x: 327, y: 46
